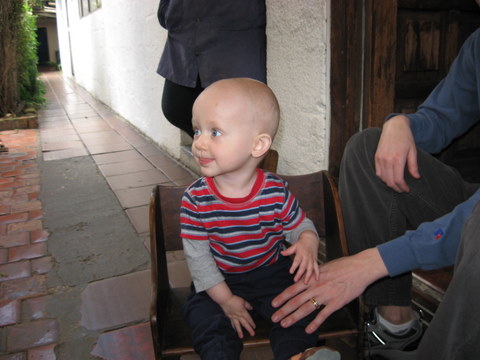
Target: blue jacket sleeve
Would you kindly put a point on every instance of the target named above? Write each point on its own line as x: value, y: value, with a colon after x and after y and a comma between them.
x: 432, y: 246
x: 453, y: 106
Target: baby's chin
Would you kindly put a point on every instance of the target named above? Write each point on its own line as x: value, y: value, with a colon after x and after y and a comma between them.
x: 206, y: 171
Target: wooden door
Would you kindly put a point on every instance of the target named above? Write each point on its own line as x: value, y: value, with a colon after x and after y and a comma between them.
x: 406, y: 48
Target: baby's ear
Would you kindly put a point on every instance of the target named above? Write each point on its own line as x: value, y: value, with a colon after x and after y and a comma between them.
x: 261, y: 145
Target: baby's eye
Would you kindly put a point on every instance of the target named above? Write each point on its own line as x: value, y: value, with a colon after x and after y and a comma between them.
x: 196, y: 132
x: 216, y: 133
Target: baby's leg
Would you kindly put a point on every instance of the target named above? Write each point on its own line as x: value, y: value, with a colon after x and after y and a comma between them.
x: 265, y: 284
x: 287, y: 342
x: 212, y: 333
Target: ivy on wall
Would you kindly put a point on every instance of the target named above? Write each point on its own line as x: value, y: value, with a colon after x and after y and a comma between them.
x: 19, y: 84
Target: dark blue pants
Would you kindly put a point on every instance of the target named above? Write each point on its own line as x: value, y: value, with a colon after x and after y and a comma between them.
x: 212, y: 333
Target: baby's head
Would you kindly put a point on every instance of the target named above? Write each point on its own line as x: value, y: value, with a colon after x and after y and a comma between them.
x: 238, y: 111
x: 255, y: 101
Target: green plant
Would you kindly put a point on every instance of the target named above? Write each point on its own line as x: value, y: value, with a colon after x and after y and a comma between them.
x: 19, y: 84
x: 31, y: 89
x: 10, y: 13
x: 36, y: 4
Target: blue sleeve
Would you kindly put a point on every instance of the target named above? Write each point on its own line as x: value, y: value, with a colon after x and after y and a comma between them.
x: 453, y: 106
x: 432, y: 246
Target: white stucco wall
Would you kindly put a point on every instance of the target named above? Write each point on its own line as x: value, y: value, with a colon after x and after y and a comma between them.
x: 297, y: 64
x: 115, y: 52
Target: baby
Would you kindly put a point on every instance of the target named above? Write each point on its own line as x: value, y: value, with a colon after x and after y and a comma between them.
x: 235, y: 220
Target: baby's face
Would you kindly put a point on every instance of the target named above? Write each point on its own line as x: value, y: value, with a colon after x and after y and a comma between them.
x: 224, y: 131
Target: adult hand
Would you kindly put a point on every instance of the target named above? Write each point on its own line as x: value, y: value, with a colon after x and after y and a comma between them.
x: 396, y: 148
x: 340, y: 281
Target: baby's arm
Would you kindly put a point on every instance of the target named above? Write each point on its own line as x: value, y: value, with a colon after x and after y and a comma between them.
x: 234, y: 307
x: 207, y: 277
x: 305, y: 243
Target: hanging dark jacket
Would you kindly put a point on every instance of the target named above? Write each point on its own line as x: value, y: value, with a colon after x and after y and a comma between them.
x: 213, y: 40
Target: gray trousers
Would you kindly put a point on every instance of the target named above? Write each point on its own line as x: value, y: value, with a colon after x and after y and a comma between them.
x: 374, y: 213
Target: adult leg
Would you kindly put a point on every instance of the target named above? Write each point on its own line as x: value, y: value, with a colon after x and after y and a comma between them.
x: 212, y: 333
x: 374, y: 213
x: 454, y: 332
x: 177, y: 103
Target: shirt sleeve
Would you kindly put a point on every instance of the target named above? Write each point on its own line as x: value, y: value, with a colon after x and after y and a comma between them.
x: 292, y: 214
x: 293, y: 235
x: 453, y: 106
x: 432, y: 246
x: 191, y: 220
x: 201, y: 264
x: 196, y: 246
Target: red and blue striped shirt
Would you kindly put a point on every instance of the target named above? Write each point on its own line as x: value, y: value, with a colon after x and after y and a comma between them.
x: 245, y: 233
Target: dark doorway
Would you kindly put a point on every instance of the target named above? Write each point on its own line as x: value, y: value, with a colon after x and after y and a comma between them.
x: 387, y: 55
x: 42, y: 52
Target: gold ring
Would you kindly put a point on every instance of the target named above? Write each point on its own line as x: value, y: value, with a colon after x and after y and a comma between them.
x: 315, y: 303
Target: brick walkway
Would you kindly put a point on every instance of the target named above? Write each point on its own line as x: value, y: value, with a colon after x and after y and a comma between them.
x: 23, y: 252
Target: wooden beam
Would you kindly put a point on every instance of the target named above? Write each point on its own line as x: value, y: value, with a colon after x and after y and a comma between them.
x: 345, y: 76
x: 380, y: 60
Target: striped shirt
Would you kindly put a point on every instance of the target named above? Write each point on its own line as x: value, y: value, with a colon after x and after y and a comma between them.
x: 245, y: 233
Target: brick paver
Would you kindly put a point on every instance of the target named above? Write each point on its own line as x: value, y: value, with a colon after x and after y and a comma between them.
x: 46, y: 352
x: 24, y: 259
x: 30, y: 335
x: 9, y: 312
x: 23, y: 288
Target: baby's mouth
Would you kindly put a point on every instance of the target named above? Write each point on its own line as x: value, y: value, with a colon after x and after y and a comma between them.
x: 203, y: 161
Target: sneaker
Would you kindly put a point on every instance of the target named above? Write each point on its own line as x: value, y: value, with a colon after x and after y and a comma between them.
x: 320, y: 353
x: 379, y: 341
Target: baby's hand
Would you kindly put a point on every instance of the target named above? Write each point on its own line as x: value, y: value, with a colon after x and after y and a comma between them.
x: 236, y: 309
x: 305, y: 260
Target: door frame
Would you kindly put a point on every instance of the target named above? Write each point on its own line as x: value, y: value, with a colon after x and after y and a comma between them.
x: 358, y: 78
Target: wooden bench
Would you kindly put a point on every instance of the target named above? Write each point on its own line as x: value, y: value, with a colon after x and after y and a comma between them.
x: 428, y: 290
x: 318, y: 196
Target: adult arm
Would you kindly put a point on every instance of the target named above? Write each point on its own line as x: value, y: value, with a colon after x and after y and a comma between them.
x: 344, y: 279
x: 396, y: 148
x: 449, y: 111
x: 453, y: 106
x: 340, y: 282
x: 432, y: 245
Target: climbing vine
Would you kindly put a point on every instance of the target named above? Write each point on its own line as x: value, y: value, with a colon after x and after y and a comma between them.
x: 19, y: 85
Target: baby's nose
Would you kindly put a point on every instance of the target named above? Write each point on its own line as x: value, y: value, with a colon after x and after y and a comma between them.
x: 199, y: 142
